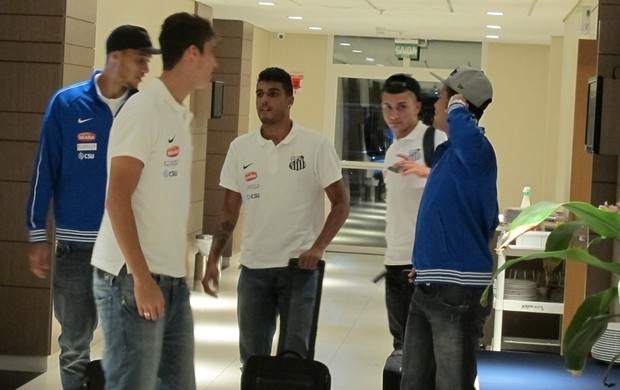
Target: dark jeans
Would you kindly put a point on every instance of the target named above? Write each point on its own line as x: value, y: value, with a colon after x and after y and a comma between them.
x: 442, y: 336
x: 262, y: 294
x: 396, y: 302
x: 75, y: 310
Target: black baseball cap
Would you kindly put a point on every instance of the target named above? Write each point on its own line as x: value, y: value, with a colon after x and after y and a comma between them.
x: 130, y: 37
x: 399, y: 83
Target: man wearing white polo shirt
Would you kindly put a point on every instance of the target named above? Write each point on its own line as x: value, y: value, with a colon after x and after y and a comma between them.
x: 280, y: 174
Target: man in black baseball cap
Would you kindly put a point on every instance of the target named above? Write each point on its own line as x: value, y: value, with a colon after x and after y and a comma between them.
x: 130, y: 37
x: 86, y: 110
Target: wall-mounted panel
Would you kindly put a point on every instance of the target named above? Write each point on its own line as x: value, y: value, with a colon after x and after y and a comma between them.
x: 610, y: 117
x: 33, y: 7
x: 17, y: 160
x: 80, y: 33
x: 14, y: 270
x: 82, y: 9
x: 30, y: 330
x: 22, y: 126
x: 31, y: 52
x: 39, y: 28
x: 13, y: 198
x: 27, y: 86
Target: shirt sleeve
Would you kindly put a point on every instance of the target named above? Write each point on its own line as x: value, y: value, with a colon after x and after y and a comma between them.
x: 46, y: 171
x: 229, y: 170
x: 328, y: 164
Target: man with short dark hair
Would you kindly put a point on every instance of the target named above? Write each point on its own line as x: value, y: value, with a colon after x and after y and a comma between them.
x: 281, y: 175
x: 405, y: 175
x: 70, y: 169
x: 453, y: 264
x: 139, y: 255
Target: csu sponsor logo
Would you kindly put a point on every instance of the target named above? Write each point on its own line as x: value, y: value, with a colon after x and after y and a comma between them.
x: 86, y: 156
x: 86, y: 137
x: 251, y: 176
x: 297, y: 163
x: 415, y: 155
x: 87, y: 147
x: 173, y: 151
x: 168, y: 173
x: 255, y: 195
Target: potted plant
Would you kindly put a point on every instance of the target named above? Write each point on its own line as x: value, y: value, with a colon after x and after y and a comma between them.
x: 592, y: 316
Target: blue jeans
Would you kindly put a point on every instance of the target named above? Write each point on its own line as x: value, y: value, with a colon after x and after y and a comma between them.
x: 263, y: 294
x: 74, y: 308
x: 442, y: 336
x: 139, y: 353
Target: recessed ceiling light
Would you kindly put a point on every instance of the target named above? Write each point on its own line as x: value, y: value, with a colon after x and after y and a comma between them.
x: 370, y: 59
x: 356, y: 51
x: 296, y: 17
x: 493, y: 36
x: 494, y: 26
x: 495, y: 13
x: 380, y: 65
x: 315, y: 28
x: 266, y: 3
x: 345, y: 44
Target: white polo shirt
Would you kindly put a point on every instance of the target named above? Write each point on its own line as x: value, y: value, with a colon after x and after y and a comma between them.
x: 403, y: 195
x: 153, y: 128
x: 282, y: 187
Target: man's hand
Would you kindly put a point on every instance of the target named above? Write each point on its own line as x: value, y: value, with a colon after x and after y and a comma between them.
x: 310, y: 258
x: 211, y: 280
x: 40, y: 259
x: 149, y: 298
x: 410, y: 167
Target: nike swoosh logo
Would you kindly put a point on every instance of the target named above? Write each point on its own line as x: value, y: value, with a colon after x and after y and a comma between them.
x: 80, y: 120
x: 245, y: 166
x: 171, y: 139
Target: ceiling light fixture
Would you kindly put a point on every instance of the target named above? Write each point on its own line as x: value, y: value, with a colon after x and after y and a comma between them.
x: 495, y: 13
x: 493, y: 36
x: 316, y: 28
x: 370, y: 59
x: 345, y: 44
x: 494, y: 26
x: 356, y: 51
x: 296, y: 17
x: 269, y: 3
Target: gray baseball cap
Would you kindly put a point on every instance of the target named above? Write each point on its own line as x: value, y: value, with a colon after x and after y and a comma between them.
x: 472, y: 83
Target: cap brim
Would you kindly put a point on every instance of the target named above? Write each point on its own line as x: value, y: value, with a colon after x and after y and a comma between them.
x: 151, y: 50
x: 439, y: 78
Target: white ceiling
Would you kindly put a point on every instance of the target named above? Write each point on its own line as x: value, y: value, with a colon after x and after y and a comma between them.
x: 524, y: 21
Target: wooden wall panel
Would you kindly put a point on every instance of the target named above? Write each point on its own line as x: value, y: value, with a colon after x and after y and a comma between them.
x: 14, y: 270
x: 30, y: 322
x: 27, y: 87
x: 18, y: 160
x: 23, y: 126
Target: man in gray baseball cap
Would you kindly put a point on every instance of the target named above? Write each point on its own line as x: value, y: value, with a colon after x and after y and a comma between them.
x: 452, y: 262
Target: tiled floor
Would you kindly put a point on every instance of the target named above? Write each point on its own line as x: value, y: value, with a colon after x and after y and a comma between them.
x: 353, y: 339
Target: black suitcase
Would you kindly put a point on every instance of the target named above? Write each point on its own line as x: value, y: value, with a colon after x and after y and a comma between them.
x: 289, y: 370
x: 392, y: 371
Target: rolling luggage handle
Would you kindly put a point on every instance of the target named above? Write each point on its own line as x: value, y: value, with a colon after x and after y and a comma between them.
x: 292, y: 265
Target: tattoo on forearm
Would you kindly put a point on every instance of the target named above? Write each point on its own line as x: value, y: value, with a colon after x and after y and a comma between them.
x: 222, y: 234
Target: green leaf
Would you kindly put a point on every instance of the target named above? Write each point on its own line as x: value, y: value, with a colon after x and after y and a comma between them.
x: 587, y: 326
x: 528, y: 219
x: 604, y: 223
x: 561, y: 238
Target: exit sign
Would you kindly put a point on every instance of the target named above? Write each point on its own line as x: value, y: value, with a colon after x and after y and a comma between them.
x: 407, y: 49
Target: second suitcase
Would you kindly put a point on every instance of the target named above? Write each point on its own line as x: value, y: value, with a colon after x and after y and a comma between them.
x: 284, y: 372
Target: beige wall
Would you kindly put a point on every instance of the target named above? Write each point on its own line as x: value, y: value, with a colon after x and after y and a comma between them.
x: 517, y: 121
